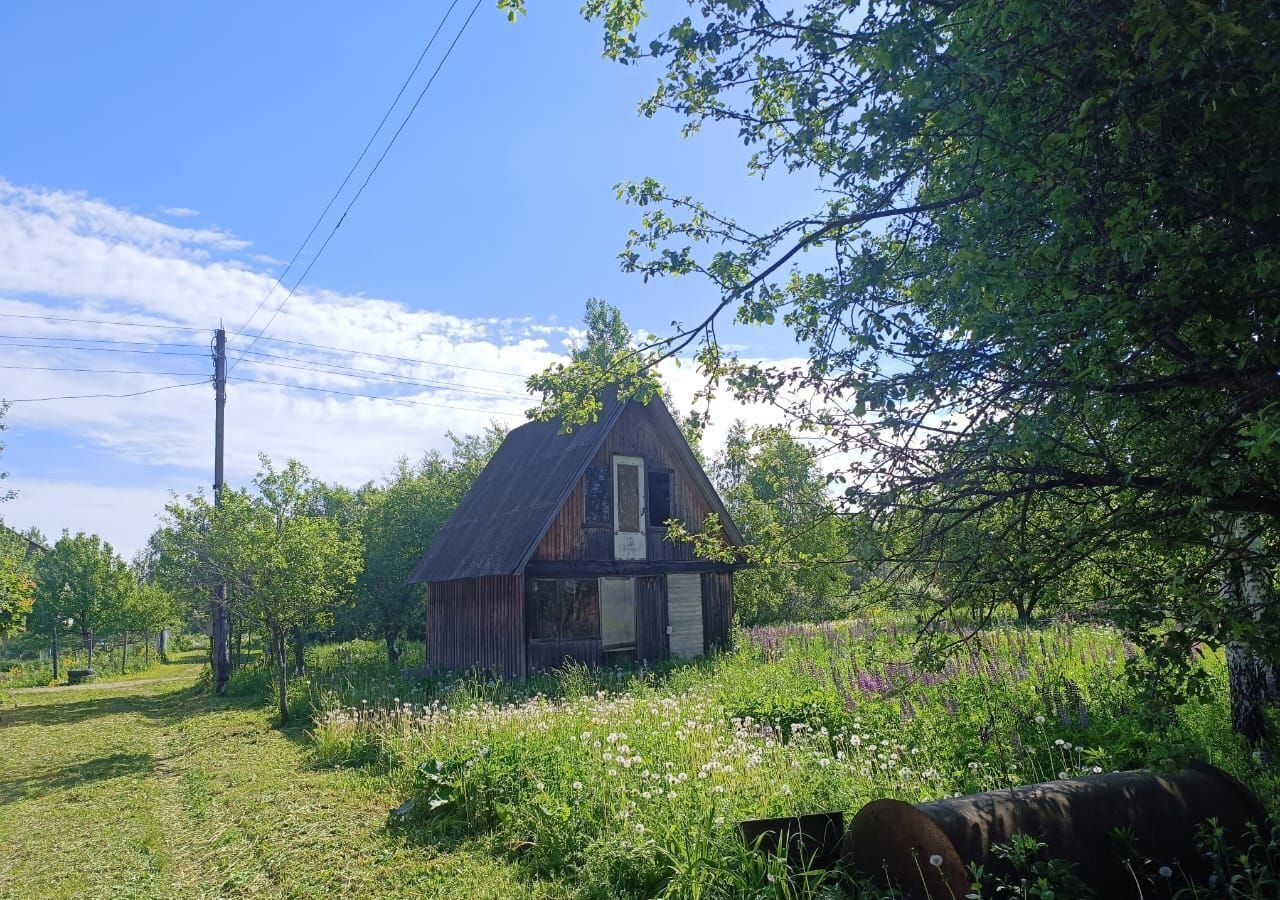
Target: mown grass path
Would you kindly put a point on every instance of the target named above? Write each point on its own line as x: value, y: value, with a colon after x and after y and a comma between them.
x: 146, y: 788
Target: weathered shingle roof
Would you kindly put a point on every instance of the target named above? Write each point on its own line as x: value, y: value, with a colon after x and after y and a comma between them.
x: 498, y: 524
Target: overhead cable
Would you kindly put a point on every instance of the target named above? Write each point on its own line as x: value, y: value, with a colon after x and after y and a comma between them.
x: 167, y: 387
x: 303, y: 387
x: 368, y: 178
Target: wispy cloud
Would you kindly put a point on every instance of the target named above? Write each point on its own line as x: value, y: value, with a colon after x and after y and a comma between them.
x: 180, y: 212
x: 65, y: 254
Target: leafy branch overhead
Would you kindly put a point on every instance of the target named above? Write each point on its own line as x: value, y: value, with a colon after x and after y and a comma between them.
x: 1037, y: 285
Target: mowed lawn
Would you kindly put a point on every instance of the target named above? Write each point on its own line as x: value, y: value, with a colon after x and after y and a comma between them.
x: 146, y: 788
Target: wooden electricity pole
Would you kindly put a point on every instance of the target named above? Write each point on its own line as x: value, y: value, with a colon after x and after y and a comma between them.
x: 220, y: 633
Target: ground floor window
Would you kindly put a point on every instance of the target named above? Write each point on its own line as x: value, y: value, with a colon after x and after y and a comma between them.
x: 564, y: 609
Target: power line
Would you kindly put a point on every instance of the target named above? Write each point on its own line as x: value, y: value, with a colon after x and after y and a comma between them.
x: 167, y: 387
x: 37, y: 337
x: 406, y: 359
x: 373, y: 375
x: 303, y: 387
x: 369, y: 177
x: 105, y: 350
x: 328, y: 206
x: 98, y: 371
x: 8, y: 315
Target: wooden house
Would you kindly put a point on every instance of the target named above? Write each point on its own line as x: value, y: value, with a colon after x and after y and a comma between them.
x: 559, y: 551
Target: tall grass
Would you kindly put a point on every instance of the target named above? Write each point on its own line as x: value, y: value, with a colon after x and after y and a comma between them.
x: 630, y: 783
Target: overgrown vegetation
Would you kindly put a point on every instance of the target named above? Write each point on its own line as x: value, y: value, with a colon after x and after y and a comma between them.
x: 630, y: 783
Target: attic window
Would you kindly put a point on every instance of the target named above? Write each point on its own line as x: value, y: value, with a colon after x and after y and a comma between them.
x: 659, y: 491
x: 599, y: 499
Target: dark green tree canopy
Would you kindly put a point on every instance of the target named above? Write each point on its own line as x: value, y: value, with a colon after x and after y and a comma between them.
x: 1043, y: 263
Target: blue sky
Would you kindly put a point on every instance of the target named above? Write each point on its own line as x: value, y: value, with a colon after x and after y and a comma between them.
x: 159, y: 162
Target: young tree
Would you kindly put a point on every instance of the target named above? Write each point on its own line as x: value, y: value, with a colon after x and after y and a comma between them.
x: 148, y: 609
x: 84, y: 580
x: 400, y: 521
x: 296, y: 561
x: 777, y: 494
x: 1042, y: 264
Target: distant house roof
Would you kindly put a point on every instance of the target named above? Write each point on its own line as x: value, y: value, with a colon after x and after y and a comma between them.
x: 498, y: 524
x: 32, y: 546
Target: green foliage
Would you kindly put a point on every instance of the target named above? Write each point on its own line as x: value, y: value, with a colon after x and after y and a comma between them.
x: 398, y: 522
x: 777, y: 494
x: 286, y: 561
x: 605, y: 359
x: 82, y: 579
x: 1037, y: 288
x: 17, y: 594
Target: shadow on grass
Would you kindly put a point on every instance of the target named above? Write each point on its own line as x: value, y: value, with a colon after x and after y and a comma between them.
x: 167, y: 708
x: 43, y: 782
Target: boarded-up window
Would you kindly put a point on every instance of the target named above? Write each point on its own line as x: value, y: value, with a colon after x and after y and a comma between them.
x: 599, y: 507
x: 628, y: 497
x: 617, y: 612
x: 659, y: 498
x: 684, y: 614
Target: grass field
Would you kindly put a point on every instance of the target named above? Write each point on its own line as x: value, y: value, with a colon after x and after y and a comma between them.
x: 577, y: 784
x: 144, y: 788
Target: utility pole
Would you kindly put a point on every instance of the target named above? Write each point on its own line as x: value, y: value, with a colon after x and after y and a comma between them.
x: 220, y: 636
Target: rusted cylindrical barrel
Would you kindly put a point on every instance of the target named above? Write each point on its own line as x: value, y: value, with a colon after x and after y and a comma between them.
x: 926, y: 849
x: 808, y: 842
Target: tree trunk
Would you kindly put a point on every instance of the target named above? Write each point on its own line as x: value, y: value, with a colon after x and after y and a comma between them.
x: 282, y: 671
x: 124, y: 652
x: 146, y: 649
x: 1245, y: 588
x: 88, y: 644
x: 393, y: 647
x: 299, y: 640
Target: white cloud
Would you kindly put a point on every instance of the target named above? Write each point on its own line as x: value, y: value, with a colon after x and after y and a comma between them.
x: 66, y: 254
x: 180, y: 212
x: 125, y: 516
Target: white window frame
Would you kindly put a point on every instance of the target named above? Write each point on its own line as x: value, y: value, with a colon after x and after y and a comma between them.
x: 629, y: 544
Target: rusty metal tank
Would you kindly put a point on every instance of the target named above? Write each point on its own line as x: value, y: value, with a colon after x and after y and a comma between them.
x: 926, y: 849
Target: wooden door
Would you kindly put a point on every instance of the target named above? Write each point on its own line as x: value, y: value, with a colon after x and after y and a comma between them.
x: 684, y: 615
x: 651, y: 619
x: 628, y: 508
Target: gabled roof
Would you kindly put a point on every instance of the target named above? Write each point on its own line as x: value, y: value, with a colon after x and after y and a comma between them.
x: 498, y: 524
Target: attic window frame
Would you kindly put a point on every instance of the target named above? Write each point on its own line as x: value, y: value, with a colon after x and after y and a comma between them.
x: 650, y: 494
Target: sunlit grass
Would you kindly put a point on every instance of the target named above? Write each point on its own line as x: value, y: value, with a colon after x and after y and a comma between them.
x: 601, y: 778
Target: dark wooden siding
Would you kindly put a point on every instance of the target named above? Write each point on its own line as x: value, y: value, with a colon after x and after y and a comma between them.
x: 717, y: 609
x: 633, y: 435
x: 544, y: 655
x: 651, y: 619
x: 477, y: 623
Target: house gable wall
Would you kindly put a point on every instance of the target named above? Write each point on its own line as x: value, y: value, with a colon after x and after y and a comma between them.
x: 570, y: 538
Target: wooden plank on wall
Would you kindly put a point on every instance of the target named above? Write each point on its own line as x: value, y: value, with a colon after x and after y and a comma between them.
x: 477, y: 623
x: 651, y: 619
x: 717, y: 609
